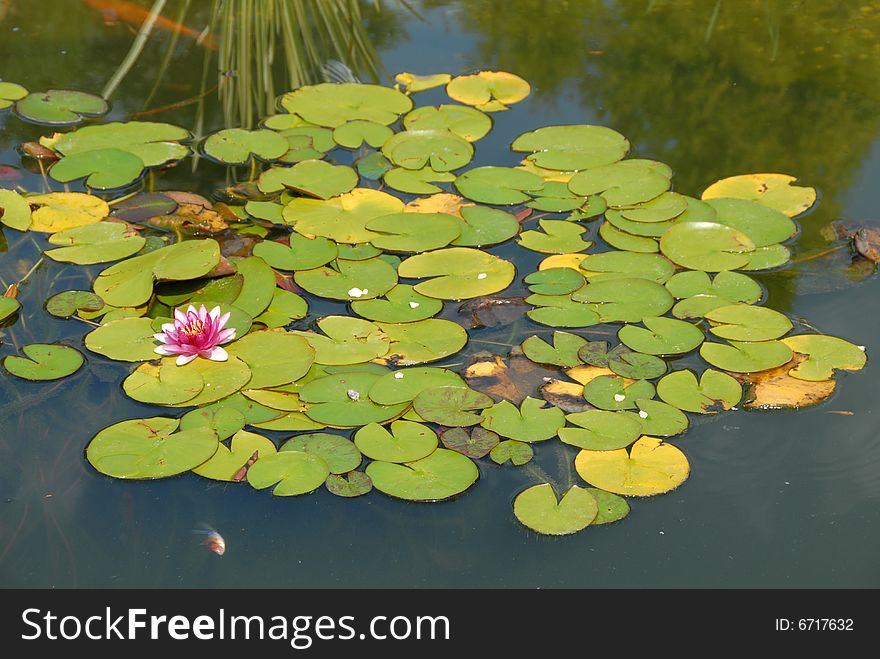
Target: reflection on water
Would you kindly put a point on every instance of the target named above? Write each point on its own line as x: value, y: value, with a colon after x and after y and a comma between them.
x: 712, y: 87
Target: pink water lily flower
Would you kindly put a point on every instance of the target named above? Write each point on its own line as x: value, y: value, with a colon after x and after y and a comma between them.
x: 196, y: 333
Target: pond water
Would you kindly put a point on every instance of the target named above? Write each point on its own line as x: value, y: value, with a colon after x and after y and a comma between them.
x: 775, y: 499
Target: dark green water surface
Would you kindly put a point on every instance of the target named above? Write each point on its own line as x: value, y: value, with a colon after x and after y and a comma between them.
x: 775, y: 499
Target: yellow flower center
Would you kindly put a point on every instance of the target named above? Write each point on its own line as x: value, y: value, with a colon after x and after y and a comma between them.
x: 193, y: 329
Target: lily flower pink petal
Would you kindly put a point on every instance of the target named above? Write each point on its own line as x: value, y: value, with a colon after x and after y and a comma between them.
x: 195, y: 333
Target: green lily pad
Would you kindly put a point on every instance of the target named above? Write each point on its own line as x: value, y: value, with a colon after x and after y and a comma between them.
x: 304, y: 142
x: 629, y: 228
x: 660, y: 209
x: 416, y: 181
x: 532, y: 422
x: 59, y: 107
x: 555, y: 197
x: 451, y: 406
x: 155, y: 144
x: 402, y: 304
x: 150, y: 448
x: 342, y: 400
x: 274, y: 357
x: 483, y: 226
x: 765, y: 226
x: 513, y: 451
x: 406, y: 442
x: 340, y: 454
x: 333, y: 104
x: 498, y: 185
x: 303, y: 253
x: 619, y: 239
x: 611, y: 392
x: 127, y: 339
x: 163, y: 384
x: 563, y: 352
x: 290, y: 422
x: 658, y: 419
x: 441, y: 150
x: 227, y: 462
x: 554, y: 281
x: 623, y: 183
x: 612, y: 508
x: 556, y: 237
x: 284, y: 308
x: 698, y: 306
x: 103, y: 169
x: 313, y: 178
x: 458, y: 273
x: 130, y: 282
x: 600, y: 430
x: 11, y: 92
x: 414, y: 232
x: 352, y: 484
x: 265, y: 210
x: 229, y: 415
x: 742, y: 357
x: 44, y: 361
x: 95, y: 243
x: 706, y: 246
x: 561, y: 311
x: 15, y: 212
x: 236, y: 146
x: 291, y: 472
x: 422, y: 341
x: 441, y: 475
x: 572, y: 147
x: 404, y: 385
x: 731, y: 286
x: 353, y: 134
x: 341, y: 218
x: 476, y: 443
x: 771, y: 256
x: 349, y: 280
x: 824, y: 355
x: 466, y: 122
x: 68, y: 303
x: 348, y: 341
x: 372, y: 167
x: 625, y: 300
x: 625, y: 265
x: 743, y: 322
x: 637, y: 366
x: 663, y: 336
x: 538, y: 509
x: 221, y: 379
x: 715, y: 391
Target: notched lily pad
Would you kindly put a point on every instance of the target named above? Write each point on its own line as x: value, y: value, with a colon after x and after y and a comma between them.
x: 44, y: 361
x: 538, y: 509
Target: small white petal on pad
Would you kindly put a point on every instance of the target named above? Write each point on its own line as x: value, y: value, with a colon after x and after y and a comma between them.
x: 398, y: 376
x: 619, y: 397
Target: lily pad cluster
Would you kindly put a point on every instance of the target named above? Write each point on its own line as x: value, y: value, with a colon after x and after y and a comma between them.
x: 342, y: 261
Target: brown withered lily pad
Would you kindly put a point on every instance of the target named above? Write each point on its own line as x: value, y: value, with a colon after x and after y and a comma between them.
x: 491, y: 311
x: 512, y: 379
x: 777, y: 390
x: 567, y: 396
